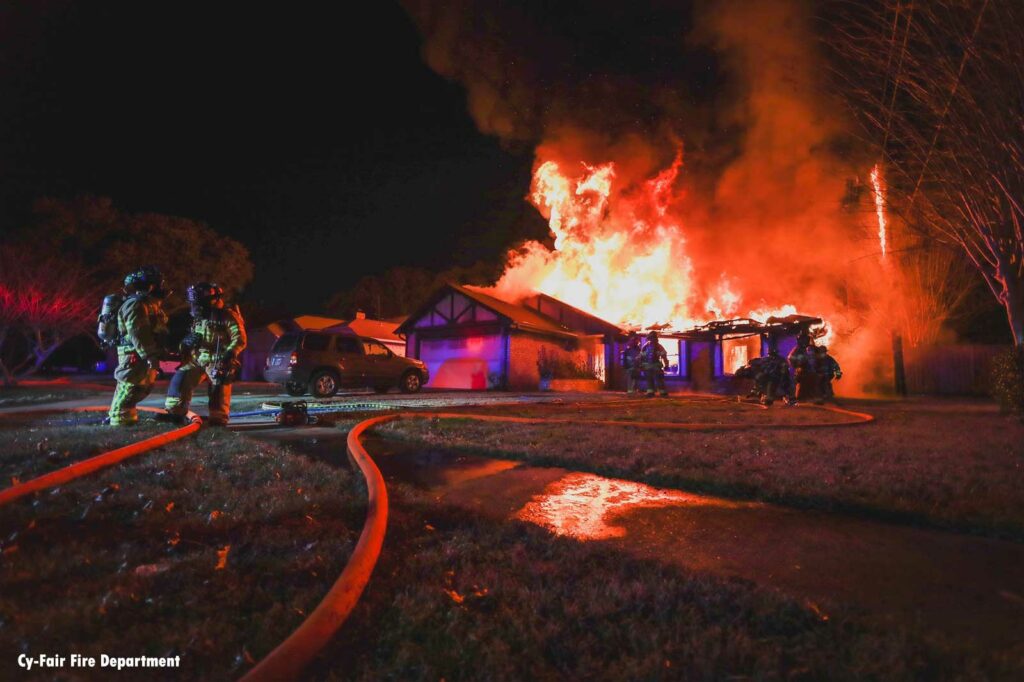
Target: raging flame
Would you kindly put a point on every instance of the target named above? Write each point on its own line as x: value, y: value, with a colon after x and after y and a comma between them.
x: 619, y: 253
x: 879, y: 192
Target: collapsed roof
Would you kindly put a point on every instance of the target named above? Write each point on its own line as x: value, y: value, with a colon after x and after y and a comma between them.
x: 744, y: 326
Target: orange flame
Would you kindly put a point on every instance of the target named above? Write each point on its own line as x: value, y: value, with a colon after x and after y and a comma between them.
x: 879, y: 191
x: 619, y: 253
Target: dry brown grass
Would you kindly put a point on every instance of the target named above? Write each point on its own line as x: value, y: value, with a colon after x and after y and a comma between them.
x: 213, y: 548
x: 32, y: 445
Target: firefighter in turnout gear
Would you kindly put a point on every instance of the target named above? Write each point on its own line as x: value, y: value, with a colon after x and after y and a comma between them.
x: 655, y: 362
x: 209, y: 352
x: 805, y: 375
x: 773, y: 379
x: 828, y: 369
x: 141, y: 329
x: 631, y: 362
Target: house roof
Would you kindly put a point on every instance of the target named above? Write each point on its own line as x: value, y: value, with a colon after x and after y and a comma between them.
x: 790, y: 324
x: 519, y: 316
x: 591, y: 322
x: 301, y: 323
x: 375, y: 329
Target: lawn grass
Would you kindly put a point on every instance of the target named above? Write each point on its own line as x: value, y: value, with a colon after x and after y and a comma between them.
x: 213, y: 548
x: 920, y: 462
x: 460, y: 597
x: 679, y: 410
x: 32, y: 445
x: 19, y: 396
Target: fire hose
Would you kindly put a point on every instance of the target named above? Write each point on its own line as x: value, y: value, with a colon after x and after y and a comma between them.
x: 100, y: 461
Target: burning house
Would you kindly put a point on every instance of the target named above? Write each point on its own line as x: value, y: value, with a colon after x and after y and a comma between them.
x: 706, y: 357
x: 471, y: 339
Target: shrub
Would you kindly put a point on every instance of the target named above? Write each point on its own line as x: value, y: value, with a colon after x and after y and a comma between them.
x: 551, y: 365
x: 1008, y: 380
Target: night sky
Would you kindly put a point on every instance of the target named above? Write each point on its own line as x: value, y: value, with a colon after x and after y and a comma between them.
x: 314, y: 136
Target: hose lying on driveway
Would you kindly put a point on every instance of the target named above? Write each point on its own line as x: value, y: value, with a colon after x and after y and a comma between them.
x: 100, y: 461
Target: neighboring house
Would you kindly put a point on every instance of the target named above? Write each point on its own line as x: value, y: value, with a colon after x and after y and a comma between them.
x: 472, y: 340
x: 381, y: 330
x: 262, y: 339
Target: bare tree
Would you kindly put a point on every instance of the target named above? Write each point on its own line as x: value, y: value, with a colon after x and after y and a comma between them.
x: 44, y: 300
x: 939, y: 88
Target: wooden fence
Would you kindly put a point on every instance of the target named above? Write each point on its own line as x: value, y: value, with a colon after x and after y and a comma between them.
x: 950, y: 370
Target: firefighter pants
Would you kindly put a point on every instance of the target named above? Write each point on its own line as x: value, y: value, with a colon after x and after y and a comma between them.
x: 632, y: 379
x: 655, y: 379
x: 825, y: 391
x: 183, y: 385
x: 806, y: 384
x: 134, y: 383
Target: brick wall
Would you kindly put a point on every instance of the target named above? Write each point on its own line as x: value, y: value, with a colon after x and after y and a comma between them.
x: 523, y: 352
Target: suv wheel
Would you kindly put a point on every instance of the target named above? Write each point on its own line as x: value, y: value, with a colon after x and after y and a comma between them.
x: 323, y: 384
x: 411, y: 382
x: 292, y: 388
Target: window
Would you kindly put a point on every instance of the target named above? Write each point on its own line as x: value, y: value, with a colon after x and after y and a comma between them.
x: 286, y: 343
x: 316, y: 342
x: 347, y: 344
x: 672, y: 347
x: 678, y: 362
x: 737, y: 352
x: 375, y: 349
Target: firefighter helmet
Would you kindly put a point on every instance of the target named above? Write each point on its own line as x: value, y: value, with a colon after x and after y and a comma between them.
x: 204, y: 292
x: 147, y: 279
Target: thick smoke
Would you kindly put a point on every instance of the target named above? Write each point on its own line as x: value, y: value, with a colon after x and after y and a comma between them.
x: 738, y: 86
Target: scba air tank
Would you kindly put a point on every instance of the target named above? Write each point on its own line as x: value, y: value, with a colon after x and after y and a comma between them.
x: 106, y: 327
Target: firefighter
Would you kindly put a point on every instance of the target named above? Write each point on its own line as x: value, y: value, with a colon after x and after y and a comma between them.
x: 210, y: 353
x: 827, y: 369
x: 630, y: 361
x: 655, y: 362
x: 773, y: 377
x: 141, y: 327
x: 805, y: 378
x: 797, y: 360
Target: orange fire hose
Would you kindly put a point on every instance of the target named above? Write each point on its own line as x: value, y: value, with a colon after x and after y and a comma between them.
x: 289, y: 658
x: 292, y: 655
x: 100, y: 461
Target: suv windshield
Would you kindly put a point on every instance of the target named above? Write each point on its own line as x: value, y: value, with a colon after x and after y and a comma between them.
x: 286, y: 343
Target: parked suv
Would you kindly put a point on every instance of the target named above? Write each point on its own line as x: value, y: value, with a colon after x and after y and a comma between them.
x: 321, y: 362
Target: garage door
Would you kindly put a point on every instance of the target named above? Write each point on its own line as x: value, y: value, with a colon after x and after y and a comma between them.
x: 463, y: 362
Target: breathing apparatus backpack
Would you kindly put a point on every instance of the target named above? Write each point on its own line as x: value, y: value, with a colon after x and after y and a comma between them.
x: 106, y: 323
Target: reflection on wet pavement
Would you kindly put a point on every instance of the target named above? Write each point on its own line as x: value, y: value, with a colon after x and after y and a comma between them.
x: 430, y: 468
x: 582, y: 505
